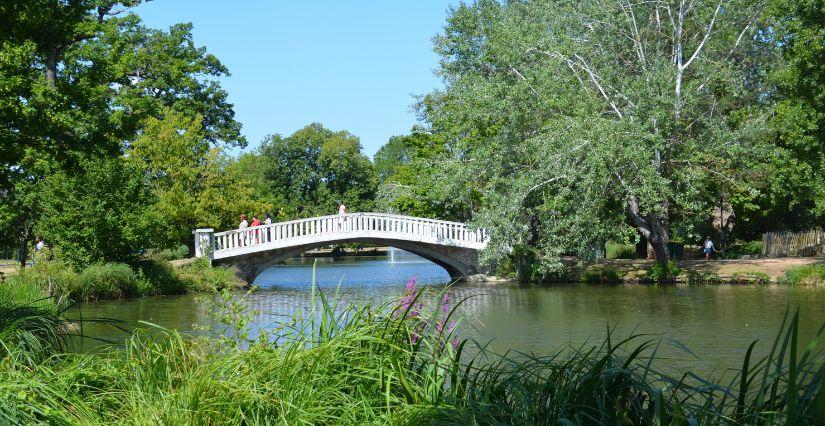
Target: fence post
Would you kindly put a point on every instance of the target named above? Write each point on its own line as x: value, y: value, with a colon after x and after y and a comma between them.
x: 203, y: 243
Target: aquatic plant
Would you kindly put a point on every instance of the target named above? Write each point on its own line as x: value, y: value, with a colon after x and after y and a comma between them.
x: 356, y: 364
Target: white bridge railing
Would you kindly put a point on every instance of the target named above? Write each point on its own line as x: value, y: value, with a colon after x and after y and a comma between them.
x: 337, y: 227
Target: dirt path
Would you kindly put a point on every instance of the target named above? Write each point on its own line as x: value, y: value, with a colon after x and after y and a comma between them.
x: 634, y: 268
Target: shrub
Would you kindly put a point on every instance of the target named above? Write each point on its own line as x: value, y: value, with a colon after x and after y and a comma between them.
x: 620, y: 251
x: 760, y: 278
x: 743, y: 248
x: 199, y: 276
x: 804, y: 275
x: 53, y: 277
x: 695, y: 277
x: 181, y: 252
x: 157, y: 277
x: 605, y: 275
x: 663, y: 272
x: 106, y: 281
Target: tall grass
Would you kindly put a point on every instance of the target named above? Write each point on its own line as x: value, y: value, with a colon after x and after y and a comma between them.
x: 149, y: 277
x: 804, y: 275
x: 401, y: 364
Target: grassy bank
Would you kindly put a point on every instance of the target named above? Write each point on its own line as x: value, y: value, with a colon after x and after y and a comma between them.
x: 149, y: 277
x: 785, y: 271
x: 397, y: 364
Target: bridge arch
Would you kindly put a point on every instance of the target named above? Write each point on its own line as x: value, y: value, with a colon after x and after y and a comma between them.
x: 451, y: 245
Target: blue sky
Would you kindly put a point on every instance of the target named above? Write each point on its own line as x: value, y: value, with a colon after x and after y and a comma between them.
x: 352, y: 65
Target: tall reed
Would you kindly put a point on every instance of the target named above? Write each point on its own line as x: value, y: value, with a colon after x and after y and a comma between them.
x: 399, y: 363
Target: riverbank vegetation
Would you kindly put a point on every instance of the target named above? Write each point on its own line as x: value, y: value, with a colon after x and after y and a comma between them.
x: 105, y: 281
x: 393, y: 364
x: 805, y: 275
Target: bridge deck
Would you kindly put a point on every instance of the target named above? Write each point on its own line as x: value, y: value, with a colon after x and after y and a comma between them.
x: 333, y: 228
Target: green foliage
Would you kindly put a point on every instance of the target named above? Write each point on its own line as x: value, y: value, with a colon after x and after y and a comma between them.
x: 759, y: 278
x: 413, y: 180
x: 200, y: 277
x: 181, y: 252
x: 743, y: 248
x: 78, y: 82
x: 695, y: 277
x: 804, y: 275
x: 106, y: 281
x: 663, y: 272
x: 600, y: 275
x: 308, y: 172
x: 619, y: 251
x: 794, y: 193
x: 93, y: 215
x: 188, y: 180
x: 570, y: 131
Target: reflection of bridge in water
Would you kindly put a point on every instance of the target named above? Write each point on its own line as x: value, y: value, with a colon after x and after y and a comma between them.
x: 452, y: 245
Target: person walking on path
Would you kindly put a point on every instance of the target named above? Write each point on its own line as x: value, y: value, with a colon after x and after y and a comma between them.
x: 342, y: 211
x: 38, y: 247
x: 243, y: 225
x: 708, y: 247
x: 254, y: 234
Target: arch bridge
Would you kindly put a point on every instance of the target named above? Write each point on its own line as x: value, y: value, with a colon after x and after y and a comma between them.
x: 452, y: 245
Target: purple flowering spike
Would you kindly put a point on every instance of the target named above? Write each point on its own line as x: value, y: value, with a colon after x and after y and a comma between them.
x: 445, y: 307
x: 411, y: 285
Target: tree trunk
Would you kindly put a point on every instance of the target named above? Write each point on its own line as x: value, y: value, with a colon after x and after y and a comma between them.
x: 654, y: 227
x: 24, y: 245
x: 51, y: 66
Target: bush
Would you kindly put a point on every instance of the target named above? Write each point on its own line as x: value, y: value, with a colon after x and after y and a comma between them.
x: 695, y: 277
x: 620, y: 251
x: 200, y: 277
x: 181, y: 252
x: 663, y: 272
x: 804, y: 275
x: 157, y: 277
x: 106, y: 281
x: 760, y: 278
x: 743, y: 248
x: 605, y: 275
x: 53, y: 278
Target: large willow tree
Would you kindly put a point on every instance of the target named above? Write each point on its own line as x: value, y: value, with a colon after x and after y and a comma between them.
x: 584, y: 121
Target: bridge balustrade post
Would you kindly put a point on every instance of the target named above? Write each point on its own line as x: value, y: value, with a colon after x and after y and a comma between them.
x: 204, y: 242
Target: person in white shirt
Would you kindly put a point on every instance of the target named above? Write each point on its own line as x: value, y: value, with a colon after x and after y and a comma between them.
x: 342, y: 211
x: 243, y: 225
x: 708, y: 248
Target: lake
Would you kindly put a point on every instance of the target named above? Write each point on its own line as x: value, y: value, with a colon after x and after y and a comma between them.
x: 716, y: 323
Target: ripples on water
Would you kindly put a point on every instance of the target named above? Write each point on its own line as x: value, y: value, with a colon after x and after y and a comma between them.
x: 716, y: 322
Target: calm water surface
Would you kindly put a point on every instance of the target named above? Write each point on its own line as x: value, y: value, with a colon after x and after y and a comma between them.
x: 716, y: 323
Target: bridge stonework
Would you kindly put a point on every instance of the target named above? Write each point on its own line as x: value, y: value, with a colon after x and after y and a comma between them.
x: 452, y: 245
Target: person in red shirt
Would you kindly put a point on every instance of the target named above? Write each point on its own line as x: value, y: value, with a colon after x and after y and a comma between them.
x: 255, y: 222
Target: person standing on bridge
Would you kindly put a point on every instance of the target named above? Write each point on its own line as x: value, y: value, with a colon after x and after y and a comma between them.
x: 244, y: 224
x: 267, y: 222
x: 254, y: 234
x: 342, y: 211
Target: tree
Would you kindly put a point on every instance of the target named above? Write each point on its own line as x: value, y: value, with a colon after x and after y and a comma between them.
x: 188, y: 180
x: 94, y: 215
x: 413, y: 182
x: 795, y: 198
x: 312, y: 169
x: 577, y: 118
x: 78, y: 78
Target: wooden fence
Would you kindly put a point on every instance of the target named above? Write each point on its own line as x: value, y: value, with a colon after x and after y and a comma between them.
x: 789, y: 244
